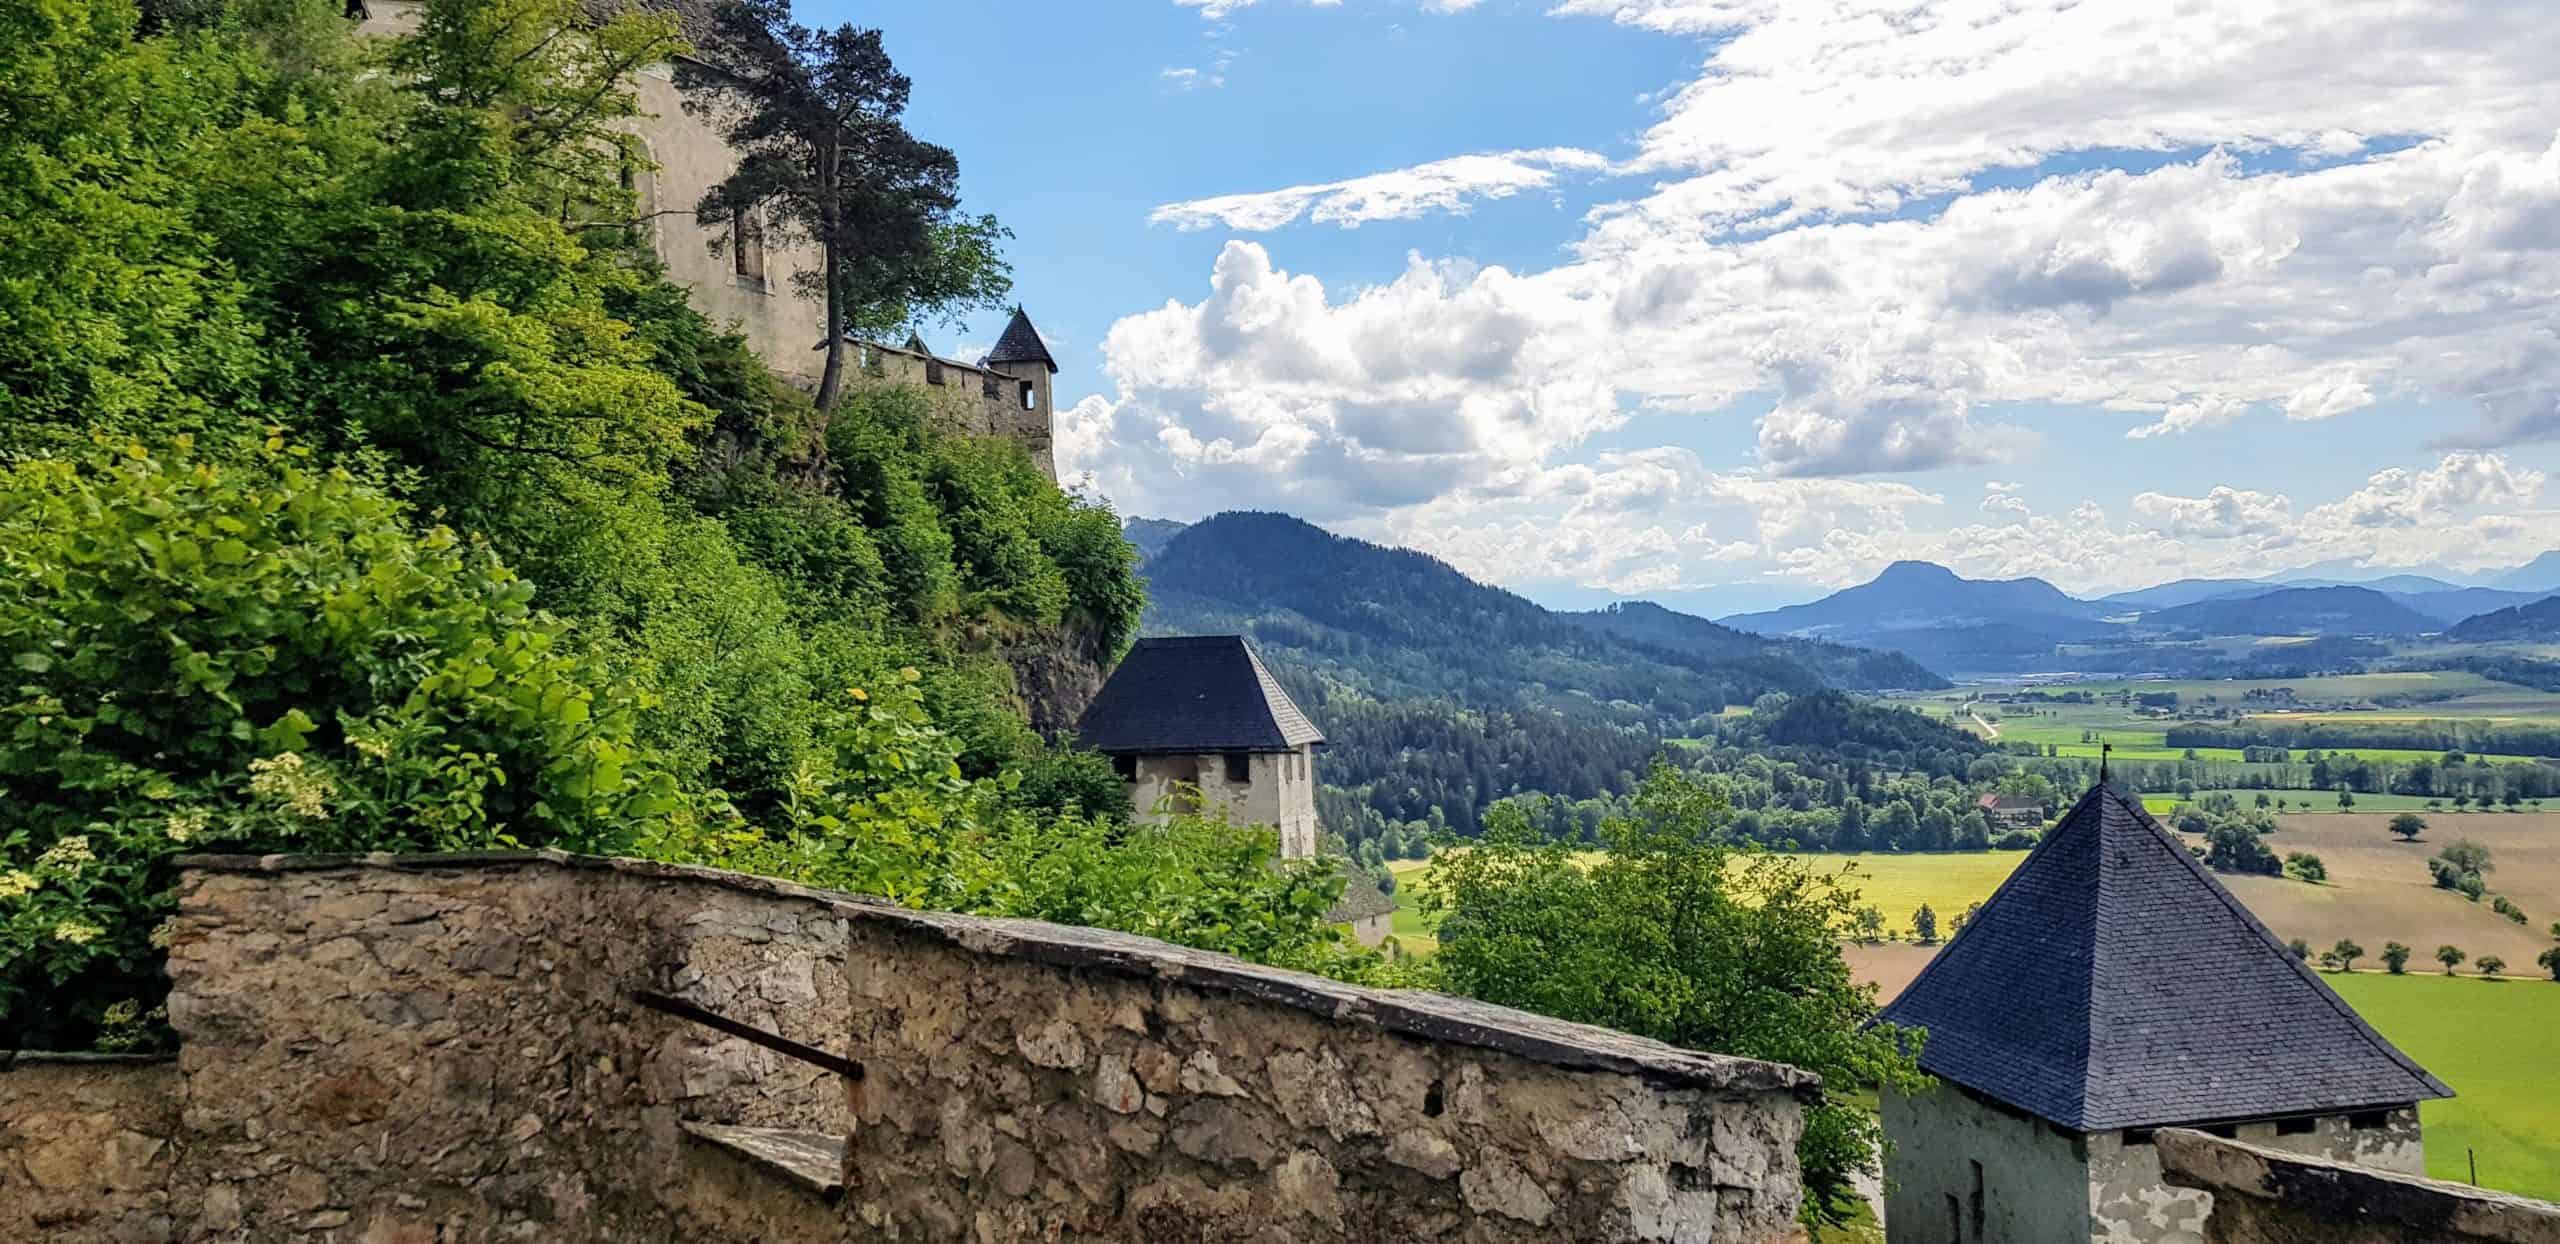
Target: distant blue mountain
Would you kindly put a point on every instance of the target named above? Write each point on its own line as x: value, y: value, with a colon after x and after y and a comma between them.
x: 2542, y: 574
x: 1913, y: 595
x: 2538, y: 622
x: 2298, y: 611
x: 2183, y: 592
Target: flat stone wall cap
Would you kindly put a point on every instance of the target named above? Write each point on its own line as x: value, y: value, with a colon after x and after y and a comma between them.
x: 10, y: 1059
x: 1414, y: 1013
x: 2318, y: 1190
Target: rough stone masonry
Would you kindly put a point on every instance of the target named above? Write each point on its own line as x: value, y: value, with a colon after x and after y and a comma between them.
x: 447, y: 1048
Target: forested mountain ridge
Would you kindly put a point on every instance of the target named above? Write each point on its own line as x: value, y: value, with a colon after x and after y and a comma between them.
x: 1439, y: 692
x: 1839, y: 665
x: 1397, y: 623
x: 2537, y: 621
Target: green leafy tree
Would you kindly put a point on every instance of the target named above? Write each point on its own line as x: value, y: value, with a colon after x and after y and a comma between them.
x: 2345, y: 954
x: 1676, y: 935
x: 2395, y: 958
x: 1924, y: 926
x: 2233, y: 846
x: 2300, y: 949
x: 263, y: 655
x: 2490, y: 965
x: 2467, y: 856
x: 1869, y: 923
x: 2304, y: 866
x: 818, y: 119
x: 2451, y: 957
x: 2549, y: 960
x: 2408, y: 825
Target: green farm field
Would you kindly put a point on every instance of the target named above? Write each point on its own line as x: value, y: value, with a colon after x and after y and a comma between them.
x: 2078, y: 730
x: 2490, y: 1040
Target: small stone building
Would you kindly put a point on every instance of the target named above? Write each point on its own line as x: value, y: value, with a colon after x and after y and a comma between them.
x: 1203, y: 712
x: 1367, y: 909
x: 2112, y: 988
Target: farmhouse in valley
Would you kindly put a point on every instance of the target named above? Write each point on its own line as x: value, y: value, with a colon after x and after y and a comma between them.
x: 2112, y: 988
x: 2011, y: 811
x: 673, y: 157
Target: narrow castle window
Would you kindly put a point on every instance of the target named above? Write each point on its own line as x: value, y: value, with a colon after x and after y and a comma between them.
x: 2297, y: 1127
x: 2369, y: 1120
x: 2137, y: 1136
x: 746, y: 245
x: 1240, y: 768
x: 1955, y: 1220
x: 932, y: 370
x: 1030, y: 396
x: 1977, y: 1206
x: 1126, y: 766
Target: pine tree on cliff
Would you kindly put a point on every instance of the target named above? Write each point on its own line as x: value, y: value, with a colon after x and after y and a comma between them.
x: 816, y: 117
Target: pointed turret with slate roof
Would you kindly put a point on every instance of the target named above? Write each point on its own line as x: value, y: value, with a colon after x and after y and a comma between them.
x: 2112, y: 982
x: 1021, y: 344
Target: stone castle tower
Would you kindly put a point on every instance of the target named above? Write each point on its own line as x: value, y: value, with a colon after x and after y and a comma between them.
x: 2109, y: 990
x: 677, y: 158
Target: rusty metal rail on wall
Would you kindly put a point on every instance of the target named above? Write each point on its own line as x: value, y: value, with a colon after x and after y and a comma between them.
x: 775, y: 1042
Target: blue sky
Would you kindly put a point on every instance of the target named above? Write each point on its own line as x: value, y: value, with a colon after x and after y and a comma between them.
x: 1724, y: 302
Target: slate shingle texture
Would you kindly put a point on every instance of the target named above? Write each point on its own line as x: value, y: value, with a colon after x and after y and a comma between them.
x: 2112, y: 982
x: 1194, y: 694
x: 1021, y: 344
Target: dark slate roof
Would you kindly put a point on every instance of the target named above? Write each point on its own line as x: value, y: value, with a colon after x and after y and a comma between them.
x: 1360, y: 899
x: 1021, y: 344
x: 1196, y: 693
x: 2112, y: 982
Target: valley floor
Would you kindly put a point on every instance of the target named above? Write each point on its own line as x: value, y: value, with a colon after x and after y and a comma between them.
x: 2492, y: 1040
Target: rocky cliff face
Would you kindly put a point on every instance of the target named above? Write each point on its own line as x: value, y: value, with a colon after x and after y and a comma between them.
x: 1056, y: 672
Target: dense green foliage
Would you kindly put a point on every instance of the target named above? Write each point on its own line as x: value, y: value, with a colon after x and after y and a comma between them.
x: 336, y: 301
x: 2457, y: 774
x: 2480, y: 736
x: 1677, y: 934
x: 1837, y: 775
x: 265, y: 656
x: 412, y: 256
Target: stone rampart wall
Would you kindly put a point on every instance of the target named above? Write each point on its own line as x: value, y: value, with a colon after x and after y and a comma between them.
x: 86, y: 1147
x: 1026, y: 1081
x: 450, y: 1043
x: 2263, y: 1196
x: 444, y: 1048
